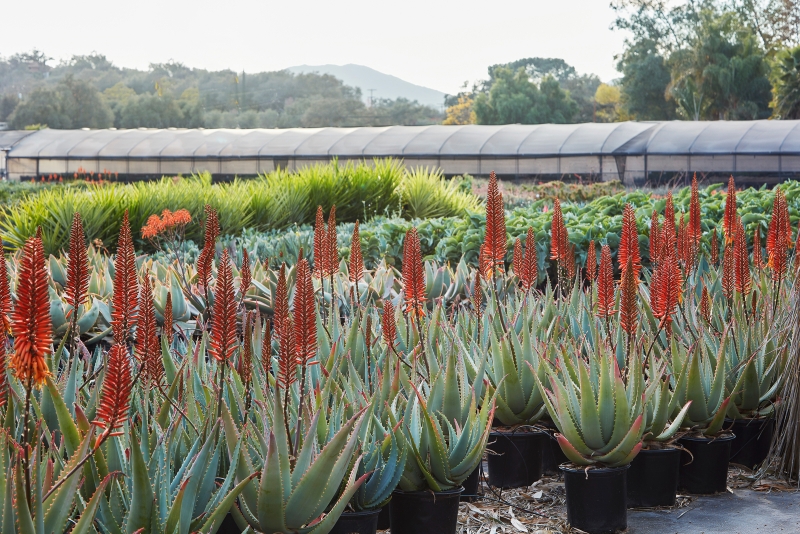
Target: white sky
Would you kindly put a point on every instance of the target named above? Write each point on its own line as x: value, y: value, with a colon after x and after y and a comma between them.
x: 433, y: 43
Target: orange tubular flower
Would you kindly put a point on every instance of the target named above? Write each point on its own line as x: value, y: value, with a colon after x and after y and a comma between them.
x: 223, y: 341
x: 705, y: 305
x: 743, y: 282
x: 758, y: 257
x: 682, y: 241
x: 516, y: 259
x: 728, y: 271
x: 495, y: 237
x: 281, y: 306
x: 484, y: 263
x: 715, y: 248
x: 530, y: 262
x: 591, y: 262
x: 668, y: 229
x: 569, y: 261
x: 628, y: 310
x: 729, y: 223
x: 77, y: 265
x: 245, y: 275
x: 152, y: 227
x: 167, y: 330
x: 558, y: 234
x: 477, y: 296
x: 665, y: 293
x: 388, y: 325
x: 779, y: 236
x: 331, y: 246
x: 356, y: 257
x: 287, y: 362
x: 605, y: 284
x: 266, y: 349
x: 655, y: 235
x: 112, y: 409
x: 205, y: 261
x: 126, y: 286
x: 413, y: 274
x: 33, y: 330
x: 320, y: 246
x: 304, y: 316
x: 148, y: 349
x: 695, y: 229
x: 629, y: 242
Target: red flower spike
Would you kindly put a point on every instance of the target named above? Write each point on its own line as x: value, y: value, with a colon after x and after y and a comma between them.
x: 148, y: 349
x: 331, y: 245
x: 591, y: 262
x: 320, y: 245
x: 388, y: 325
x: 705, y: 305
x: 516, y: 259
x: 245, y: 275
x: 629, y: 242
x: 628, y: 303
x: 167, y: 330
x: 665, y: 291
x: 413, y: 273
x: 743, y: 282
x: 715, y: 248
x: 356, y: 256
x: 758, y: 257
x: 605, y: 284
x: 655, y: 236
x: 223, y: 340
x: 477, y: 296
x: 205, y: 262
x: 729, y: 222
x: 77, y: 265
x: 558, y: 234
x: 281, y: 305
x: 695, y: 229
x: 115, y: 396
x: 495, y: 237
x: 304, y: 316
x: 530, y: 262
x: 728, y: 271
x: 484, y: 262
x: 682, y: 241
x: 569, y: 261
x: 126, y: 286
x: 668, y: 229
x: 266, y: 349
x: 779, y: 236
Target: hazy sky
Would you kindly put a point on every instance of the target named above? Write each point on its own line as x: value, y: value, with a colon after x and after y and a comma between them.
x: 428, y: 42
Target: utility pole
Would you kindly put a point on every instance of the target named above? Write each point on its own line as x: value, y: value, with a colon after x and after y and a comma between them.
x: 371, y: 100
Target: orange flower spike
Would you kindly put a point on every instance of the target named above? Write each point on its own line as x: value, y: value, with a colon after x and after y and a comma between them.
x: 605, y: 284
x: 181, y: 218
x: 266, y: 349
x: 729, y: 222
x: 388, y: 325
x: 695, y: 229
x: 495, y: 237
x: 758, y: 257
x: 32, y: 327
x: 245, y: 274
x: 667, y: 240
x: 115, y: 396
x: 715, y: 248
x: 779, y: 236
x: 557, y: 231
x: 413, y: 274
x: 682, y: 241
x: 477, y: 296
x: 223, y: 340
x: 205, y: 262
x: 705, y: 305
x: 320, y: 245
x: 281, y: 305
x: 152, y: 228
x: 148, y: 349
x: 5, y: 302
x: 569, y: 261
x: 743, y: 282
x: 304, y: 316
x: 665, y: 293
x: 728, y: 271
x: 356, y: 257
x: 167, y: 329
x: 591, y: 263
x: 516, y: 259
x: 126, y: 286
x: 628, y: 312
x: 530, y: 261
x: 629, y: 242
x: 331, y: 246
x: 655, y: 236
x: 287, y: 362
x: 484, y: 262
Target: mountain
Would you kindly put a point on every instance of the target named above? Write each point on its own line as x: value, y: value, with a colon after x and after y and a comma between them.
x: 383, y: 85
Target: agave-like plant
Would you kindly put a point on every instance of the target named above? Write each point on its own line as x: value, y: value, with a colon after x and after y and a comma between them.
x: 660, y: 402
x: 599, y: 416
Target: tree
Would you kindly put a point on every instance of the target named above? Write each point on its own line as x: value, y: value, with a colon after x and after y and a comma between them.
x: 71, y: 104
x: 151, y: 111
x: 608, y: 100
x: 461, y: 112
x: 8, y: 104
x: 514, y: 98
x: 645, y: 78
x: 786, y: 80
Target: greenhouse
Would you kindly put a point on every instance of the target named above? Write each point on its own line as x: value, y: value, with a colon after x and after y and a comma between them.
x: 764, y: 151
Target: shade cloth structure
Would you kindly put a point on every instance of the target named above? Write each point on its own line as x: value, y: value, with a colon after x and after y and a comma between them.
x: 630, y: 151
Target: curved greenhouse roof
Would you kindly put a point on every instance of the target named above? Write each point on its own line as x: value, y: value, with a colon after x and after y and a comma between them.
x: 545, y: 149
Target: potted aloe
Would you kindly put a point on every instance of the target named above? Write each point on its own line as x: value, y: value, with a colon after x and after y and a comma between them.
x: 653, y: 475
x: 447, y: 435
x: 515, y: 446
x: 600, y: 418
x: 700, y: 379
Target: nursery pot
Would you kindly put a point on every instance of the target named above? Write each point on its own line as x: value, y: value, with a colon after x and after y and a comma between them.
x: 753, y: 437
x: 653, y: 478
x: 552, y: 456
x: 515, y: 459
x: 357, y: 523
x: 596, y: 499
x: 384, y: 518
x: 425, y: 512
x: 471, y: 485
x: 705, y: 470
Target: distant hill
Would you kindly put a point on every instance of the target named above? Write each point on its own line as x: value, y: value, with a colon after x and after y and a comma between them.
x: 384, y: 85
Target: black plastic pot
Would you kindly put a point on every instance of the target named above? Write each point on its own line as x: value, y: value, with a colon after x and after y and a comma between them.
x: 229, y: 526
x: 705, y: 470
x: 385, y: 517
x: 753, y: 437
x: 471, y: 486
x: 552, y: 456
x: 515, y: 459
x: 424, y: 512
x: 357, y: 523
x: 653, y: 478
x: 596, y: 499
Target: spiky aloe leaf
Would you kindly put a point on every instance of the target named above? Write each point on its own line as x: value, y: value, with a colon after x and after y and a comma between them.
x: 60, y: 502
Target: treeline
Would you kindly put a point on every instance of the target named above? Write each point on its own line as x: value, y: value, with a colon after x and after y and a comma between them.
x: 690, y: 60
x: 91, y: 92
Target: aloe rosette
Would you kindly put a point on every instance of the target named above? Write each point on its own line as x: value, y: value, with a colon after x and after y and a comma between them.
x: 599, y: 416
